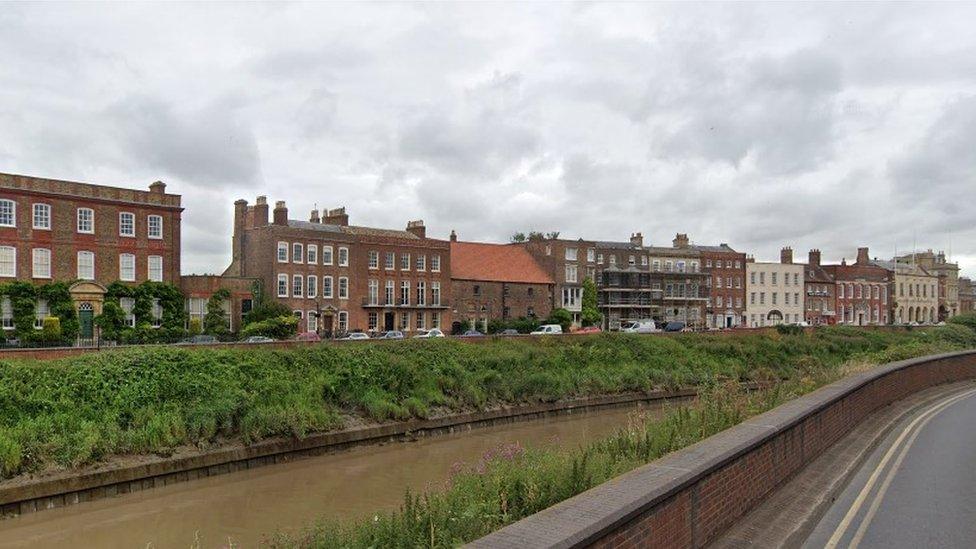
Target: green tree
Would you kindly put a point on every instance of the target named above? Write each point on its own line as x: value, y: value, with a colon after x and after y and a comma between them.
x: 215, y: 321
x: 590, y: 314
x: 562, y: 317
x: 281, y: 328
x: 518, y: 237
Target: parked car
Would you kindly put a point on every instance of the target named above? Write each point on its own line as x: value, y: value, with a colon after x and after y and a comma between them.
x: 259, y: 339
x: 198, y: 340
x: 433, y: 332
x: 589, y: 330
x: 472, y: 333
x: 308, y: 336
x: 509, y: 332
x: 548, y: 329
x: 676, y: 327
x: 392, y: 334
x: 639, y: 327
x: 356, y: 336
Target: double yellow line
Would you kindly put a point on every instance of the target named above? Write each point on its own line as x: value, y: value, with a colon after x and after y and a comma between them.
x: 901, y: 446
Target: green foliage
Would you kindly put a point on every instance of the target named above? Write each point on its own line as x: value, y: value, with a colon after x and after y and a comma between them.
x: 51, y: 332
x: 265, y: 310
x: 215, y: 321
x: 196, y: 327
x: 112, y: 320
x: 590, y: 313
x: 523, y: 325
x: 281, y: 327
x: 968, y: 320
x: 789, y: 329
x: 23, y: 300
x: 562, y: 317
x: 519, y: 237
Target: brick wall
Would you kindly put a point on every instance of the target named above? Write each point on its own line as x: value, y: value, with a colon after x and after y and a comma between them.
x: 689, y: 497
x: 477, y: 300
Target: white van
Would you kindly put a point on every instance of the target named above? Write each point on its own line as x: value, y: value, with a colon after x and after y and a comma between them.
x: 639, y: 327
x: 548, y: 329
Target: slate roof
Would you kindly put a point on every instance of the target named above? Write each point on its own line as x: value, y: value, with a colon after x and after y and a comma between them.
x: 351, y: 229
x: 495, y: 263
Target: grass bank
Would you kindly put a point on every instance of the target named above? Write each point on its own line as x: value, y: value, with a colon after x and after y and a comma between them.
x: 514, y: 482
x: 76, y: 411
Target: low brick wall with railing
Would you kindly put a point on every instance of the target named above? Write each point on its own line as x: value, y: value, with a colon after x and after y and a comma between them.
x: 689, y: 497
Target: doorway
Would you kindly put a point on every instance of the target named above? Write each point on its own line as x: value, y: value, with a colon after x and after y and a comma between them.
x: 86, y: 316
x: 388, y: 321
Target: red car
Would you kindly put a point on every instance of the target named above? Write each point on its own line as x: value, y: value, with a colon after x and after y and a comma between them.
x: 308, y: 336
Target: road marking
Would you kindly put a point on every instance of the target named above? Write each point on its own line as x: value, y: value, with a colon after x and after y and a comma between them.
x: 876, y: 503
x: 876, y: 474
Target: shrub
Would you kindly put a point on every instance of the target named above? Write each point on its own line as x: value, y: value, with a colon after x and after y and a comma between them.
x: 562, y: 317
x: 968, y: 320
x: 196, y: 327
x: 51, y: 332
x: 282, y: 327
x: 789, y: 329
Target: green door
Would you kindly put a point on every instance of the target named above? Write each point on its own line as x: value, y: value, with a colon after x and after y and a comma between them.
x: 85, y: 319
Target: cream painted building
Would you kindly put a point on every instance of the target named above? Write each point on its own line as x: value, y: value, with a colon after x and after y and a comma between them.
x: 914, y: 292
x: 774, y: 292
x: 948, y: 273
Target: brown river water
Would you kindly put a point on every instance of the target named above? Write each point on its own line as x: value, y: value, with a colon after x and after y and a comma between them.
x: 239, y: 509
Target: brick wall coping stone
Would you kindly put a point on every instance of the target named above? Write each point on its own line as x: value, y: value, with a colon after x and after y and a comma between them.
x: 594, y: 516
x: 28, y: 493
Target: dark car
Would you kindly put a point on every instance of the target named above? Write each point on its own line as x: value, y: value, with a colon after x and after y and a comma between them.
x: 509, y: 332
x: 472, y: 333
x: 675, y: 327
x: 198, y: 340
x: 393, y: 334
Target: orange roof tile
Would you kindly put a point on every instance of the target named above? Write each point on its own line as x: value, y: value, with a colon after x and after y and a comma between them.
x: 495, y: 263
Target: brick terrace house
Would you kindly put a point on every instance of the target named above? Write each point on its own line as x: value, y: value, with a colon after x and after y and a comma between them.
x: 497, y: 281
x: 820, y: 289
x: 726, y: 284
x: 567, y: 262
x: 861, y: 291
x: 339, y: 277
x: 92, y: 235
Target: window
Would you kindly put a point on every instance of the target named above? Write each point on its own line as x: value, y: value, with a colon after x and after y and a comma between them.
x: 613, y: 259
x: 327, y: 287
x: 343, y: 287
x: 772, y: 278
x: 42, y: 216
x: 590, y: 255
x: 86, y: 266
x: 156, y: 268
x: 476, y: 290
x: 643, y: 261
x: 840, y: 291
x: 6, y: 314
x: 421, y: 325
x: 374, y: 259
x: 656, y: 264
x: 752, y: 277
x: 8, y: 261
x: 435, y: 319
x: 313, y: 321
x: 572, y: 298
x: 389, y: 260
x: 282, y: 285
x: 421, y: 262
x: 297, y: 252
x: 718, y: 301
x: 762, y: 298
x: 435, y: 263
x: 372, y: 322
x: 127, y: 267
x: 796, y: 279
x: 374, y: 292
x: 42, y: 263
x: 421, y: 293
x: 282, y: 252
x: 774, y: 294
x: 762, y: 277
x: 155, y: 225
x: 157, y: 314
x: 86, y: 220
x: 312, y: 254
x: 405, y: 262
x: 752, y: 298
x: 681, y: 266
x: 571, y: 273
x: 571, y: 254
x: 435, y: 293
x: 128, y: 304
x: 404, y: 292
x: 404, y: 321
x: 296, y: 286
x: 197, y: 307
x: 343, y: 257
x: 796, y: 298
x: 388, y: 293
x: 312, y: 286
x: 127, y: 224
x: 631, y: 260
x: 327, y: 255
x: 599, y: 259
x: 41, y: 311
x: 343, y: 320
x: 8, y: 213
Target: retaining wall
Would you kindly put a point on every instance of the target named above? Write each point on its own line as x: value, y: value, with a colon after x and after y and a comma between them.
x: 689, y: 497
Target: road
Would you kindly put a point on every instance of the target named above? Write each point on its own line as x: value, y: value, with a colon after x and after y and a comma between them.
x: 917, y: 489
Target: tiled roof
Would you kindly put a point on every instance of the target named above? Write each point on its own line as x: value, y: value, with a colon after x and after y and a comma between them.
x: 707, y: 248
x: 351, y: 229
x: 495, y: 263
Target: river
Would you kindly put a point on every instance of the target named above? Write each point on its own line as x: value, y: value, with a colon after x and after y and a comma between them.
x: 239, y: 509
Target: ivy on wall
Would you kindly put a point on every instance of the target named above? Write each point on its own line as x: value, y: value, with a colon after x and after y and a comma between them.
x: 23, y: 300
x: 112, y: 321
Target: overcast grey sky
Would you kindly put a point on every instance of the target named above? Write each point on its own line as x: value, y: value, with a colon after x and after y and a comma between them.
x: 812, y: 125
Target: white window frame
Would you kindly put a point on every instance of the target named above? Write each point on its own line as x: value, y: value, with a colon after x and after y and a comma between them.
x: 6, y: 313
x: 34, y: 216
x: 389, y: 261
x: 149, y: 227
x: 343, y: 256
x: 297, y: 252
x: 122, y: 267
x: 312, y: 254
x: 421, y: 293
x: 132, y: 227
x: 297, y: 285
x: 39, y: 268
x: 312, y: 321
x: 79, y: 262
x: 421, y: 262
x: 327, y: 255
x: 6, y: 203
x: 311, y: 286
x: 343, y: 321
x: 404, y: 292
x: 90, y: 220
x: 282, y: 279
x: 343, y: 287
x: 42, y: 310
x: 373, y: 259
x: 327, y: 288
x: 435, y: 293
x: 435, y: 263
x: 12, y: 271
x: 150, y: 268
x: 282, y: 246
x: 405, y: 261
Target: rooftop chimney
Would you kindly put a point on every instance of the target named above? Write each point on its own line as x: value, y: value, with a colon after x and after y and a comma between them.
x: 637, y: 239
x: 453, y: 236
x: 240, y: 223
x: 260, y: 211
x: 862, y: 256
x: 786, y: 255
x: 417, y: 228
x: 280, y: 213
x: 814, y: 258
x: 337, y: 216
x: 314, y: 217
x: 157, y: 187
x: 680, y: 240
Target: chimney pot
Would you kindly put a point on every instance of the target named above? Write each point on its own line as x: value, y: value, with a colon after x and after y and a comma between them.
x: 786, y: 255
x: 280, y: 213
x: 417, y: 228
x: 453, y: 236
x: 157, y: 187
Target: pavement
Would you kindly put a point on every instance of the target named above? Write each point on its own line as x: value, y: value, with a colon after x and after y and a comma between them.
x: 935, y: 429
x: 918, y: 487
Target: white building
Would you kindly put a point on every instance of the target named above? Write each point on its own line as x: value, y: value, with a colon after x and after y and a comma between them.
x: 774, y: 292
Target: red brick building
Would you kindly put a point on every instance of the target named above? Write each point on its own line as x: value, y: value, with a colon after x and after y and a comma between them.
x: 339, y: 277
x: 53, y: 230
x: 726, y: 283
x: 861, y: 291
x: 820, y: 289
x: 497, y: 281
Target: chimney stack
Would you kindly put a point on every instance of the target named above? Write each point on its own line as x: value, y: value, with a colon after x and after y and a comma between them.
x: 157, y: 187
x: 786, y: 255
x: 814, y: 258
x: 337, y: 216
x: 637, y: 239
x: 862, y: 256
x: 314, y: 217
x: 261, y: 211
x: 240, y: 223
x: 280, y: 213
x: 417, y: 228
x: 680, y: 240
x: 453, y: 236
